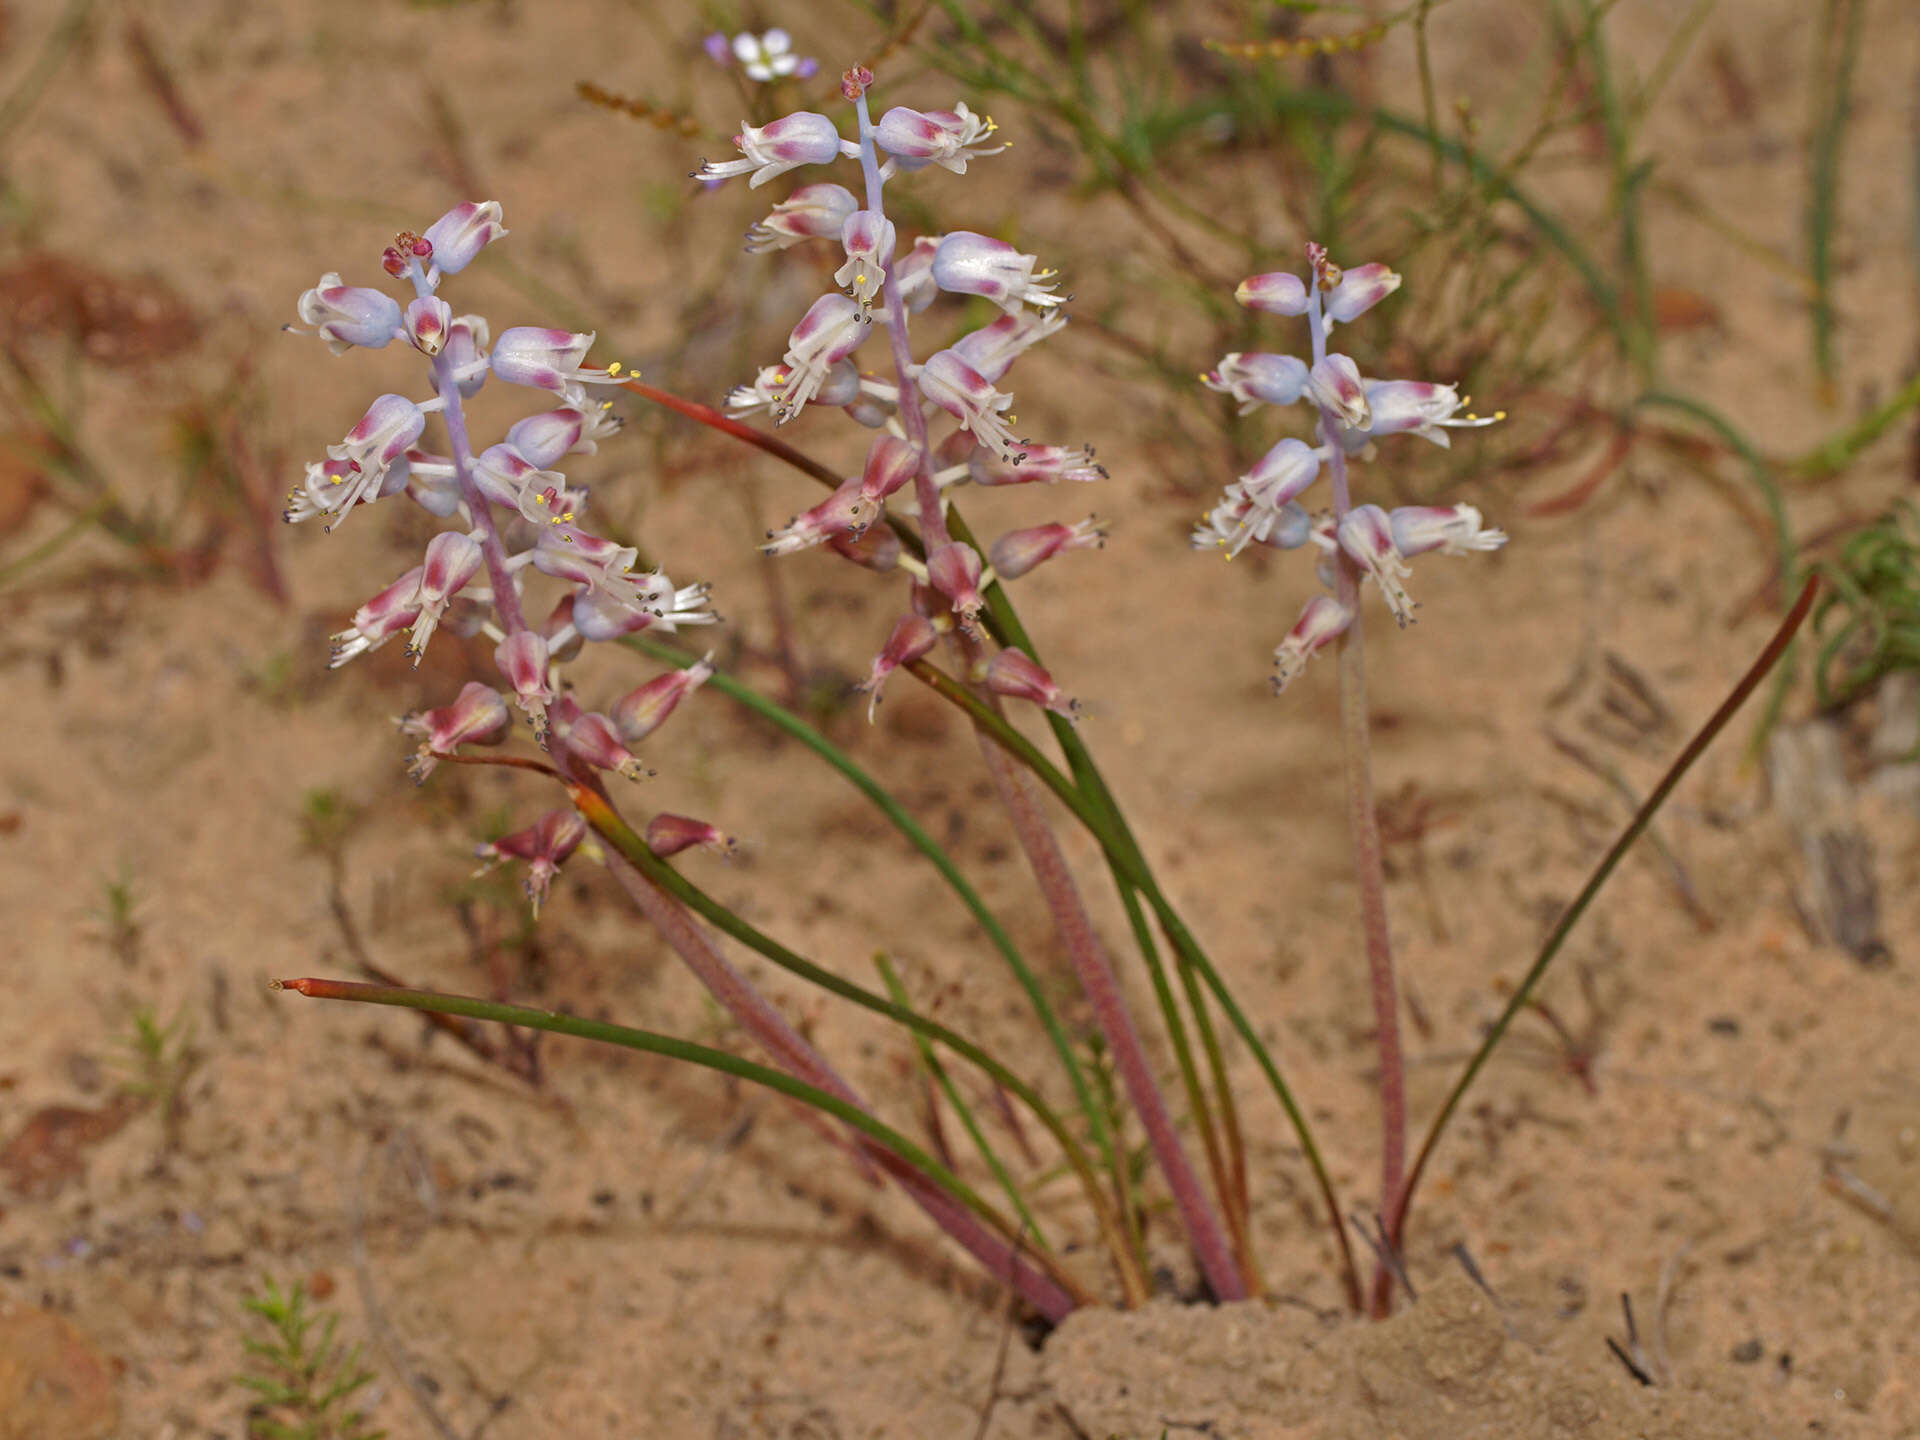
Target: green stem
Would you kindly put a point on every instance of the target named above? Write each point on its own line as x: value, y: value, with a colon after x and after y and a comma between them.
x: 1749, y: 682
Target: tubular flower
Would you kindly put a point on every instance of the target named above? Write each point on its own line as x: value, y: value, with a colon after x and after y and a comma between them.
x: 1415, y: 407
x: 970, y: 264
x: 1450, y: 529
x: 913, y: 273
x: 523, y: 660
x: 596, y: 740
x: 948, y: 138
x: 1359, y: 290
x: 477, y: 717
x: 1236, y: 521
x: 845, y: 512
x: 544, y: 439
x: 1013, y: 674
x: 644, y: 710
x: 967, y: 395
x: 993, y: 348
x: 544, y: 847
x: 650, y: 603
x: 839, y: 387
x: 668, y: 835
x: 427, y: 324
x: 546, y: 359
x: 1047, y: 464
x: 1321, y: 620
x: 460, y: 235
x: 1256, y: 379
x: 466, y: 352
x: 1366, y: 534
x: 1333, y: 383
x: 1019, y: 551
x: 867, y: 238
x: 379, y: 620
x: 813, y: 212
x: 348, y: 315
x: 1275, y: 293
x: 803, y: 138
x: 954, y: 571
x: 913, y: 638
x: 362, y: 462
x: 452, y: 560
x: 831, y: 330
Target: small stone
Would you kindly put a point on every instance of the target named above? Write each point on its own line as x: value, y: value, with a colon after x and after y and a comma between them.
x: 1748, y: 1352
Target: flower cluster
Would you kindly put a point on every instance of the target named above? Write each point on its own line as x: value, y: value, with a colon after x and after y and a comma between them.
x: 514, y: 516
x: 886, y: 278
x: 1352, y: 412
x: 764, y: 58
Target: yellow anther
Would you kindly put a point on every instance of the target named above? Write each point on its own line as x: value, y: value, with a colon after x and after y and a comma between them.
x: 614, y: 368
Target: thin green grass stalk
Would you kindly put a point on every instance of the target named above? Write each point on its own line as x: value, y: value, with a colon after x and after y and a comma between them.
x: 1832, y: 456
x: 791, y: 724
x: 1776, y: 647
x: 633, y: 848
x: 931, y: 1063
x: 1839, y: 47
x: 1617, y: 127
x: 884, y: 1136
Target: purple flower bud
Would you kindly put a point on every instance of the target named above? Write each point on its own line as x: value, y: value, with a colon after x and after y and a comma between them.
x: 1334, y: 385
x: 460, y: 234
x: 967, y: 395
x: 813, y: 212
x: 373, y: 453
x: 1322, y: 620
x: 544, y: 439
x: 970, y: 264
x: 913, y: 273
x: 913, y: 638
x: 670, y: 834
x: 478, y: 717
x: 803, y: 138
x: 1277, y: 292
x: 718, y: 49
x: 1416, y: 407
x: 1258, y: 379
x: 640, y: 712
x: 349, y: 315
x: 1359, y: 290
x: 428, y: 322
x: 1366, y: 535
x: 1019, y: 551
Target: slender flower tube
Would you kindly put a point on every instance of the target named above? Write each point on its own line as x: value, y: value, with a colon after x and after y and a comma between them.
x: 948, y: 138
x: 813, y: 212
x: 1013, y: 673
x: 1019, y: 551
x: 1323, y: 620
x: 669, y: 835
x: 967, y: 395
x: 803, y: 138
x: 643, y: 710
x: 913, y: 638
x: 831, y: 330
x: 970, y: 264
x: 477, y: 717
x: 544, y: 847
x: 458, y: 236
x: 867, y: 237
x: 348, y: 315
x: 1256, y: 379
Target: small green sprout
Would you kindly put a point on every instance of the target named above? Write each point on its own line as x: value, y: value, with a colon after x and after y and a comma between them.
x: 305, y: 1381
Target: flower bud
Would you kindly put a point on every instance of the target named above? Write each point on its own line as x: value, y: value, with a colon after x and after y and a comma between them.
x: 1013, y: 674
x: 478, y: 717
x: 1277, y: 292
x: 461, y: 234
x: 949, y: 138
x: 544, y: 439
x: 596, y: 740
x: 452, y: 560
x: 428, y: 322
x: 891, y: 464
x: 668, y: 835
x: 1281, y: 474
x: 970, y: 264
x: 1359, y: 290
x: 349, y: 315
x: 640, y: 712
x: 1018, y: 551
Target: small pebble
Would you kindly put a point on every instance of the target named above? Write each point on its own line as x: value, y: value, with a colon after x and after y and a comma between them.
x: 1747, y: 1352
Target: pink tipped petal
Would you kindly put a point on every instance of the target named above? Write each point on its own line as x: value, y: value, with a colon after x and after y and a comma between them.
x: 1322, y: 620
x: 1367, y: 537
x: 1276, y: 293
x: 831, y: 330
x: 349, y: 315
x: 461, y: 234
x: 428, y: 322
x: 967, y: 395
x: 478, y: 717
x: 1018, y: 551
x: 1334, y: 385
x: 913, y: 638
x: 954, y: 570
x: 642, y: 711
x: 1013, y: 674
x: 867, y: 237
x: 970, y: 264
x: 813, y: 212
x: 669, y: 835
x: 1450, y: 529
x: 803, y: 138
x: 1258, y: 379
x: 1359, y: 290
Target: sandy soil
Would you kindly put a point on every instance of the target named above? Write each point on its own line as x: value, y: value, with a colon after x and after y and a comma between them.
x: 632, y: 1249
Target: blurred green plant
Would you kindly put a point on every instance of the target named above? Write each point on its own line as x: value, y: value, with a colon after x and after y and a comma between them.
x: 1867, y: 625
x: 305, y: 1381
x: 154, y: 1061
x: 118, y: 915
